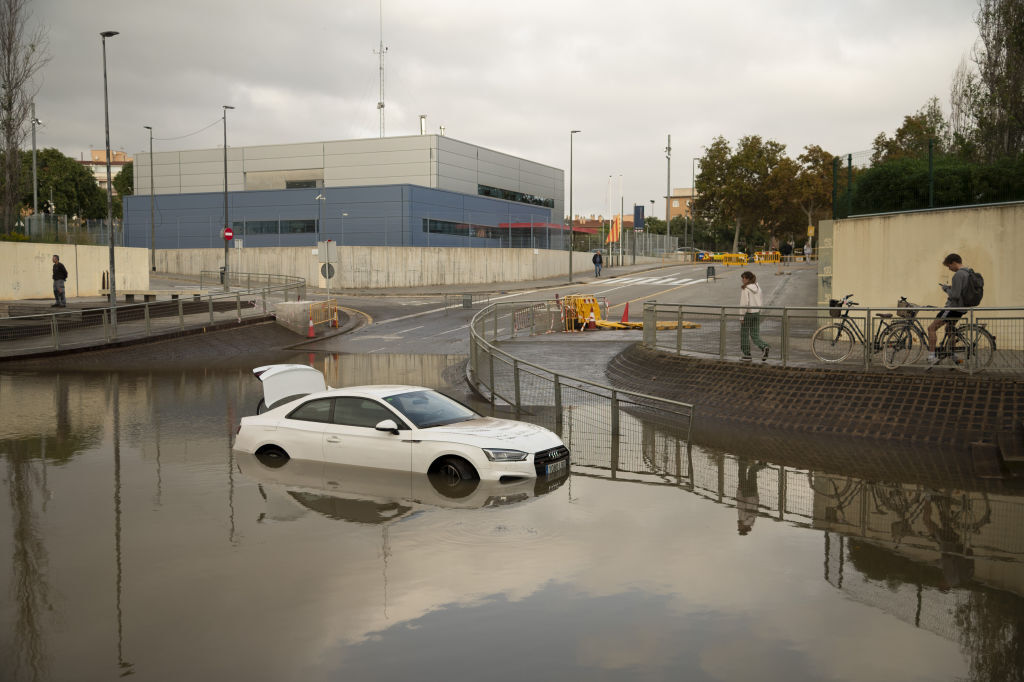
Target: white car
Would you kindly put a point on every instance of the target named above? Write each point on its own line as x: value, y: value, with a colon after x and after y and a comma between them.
x: 406, y: 428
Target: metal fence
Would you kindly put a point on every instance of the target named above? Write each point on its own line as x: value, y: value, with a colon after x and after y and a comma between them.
x: 248, y: 295
x: 613, y: 421
x: 57, y: 229
x: 790, y: 333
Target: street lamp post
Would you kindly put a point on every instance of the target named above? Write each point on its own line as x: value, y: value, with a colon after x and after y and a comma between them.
x: 342, y: 239
x: 693, y: 194
x: 571, y: 216
x: 35, y: 181
x: 110, y: 200
x: 152, y: 205
x: 225, y: 107
x: 320, y: 199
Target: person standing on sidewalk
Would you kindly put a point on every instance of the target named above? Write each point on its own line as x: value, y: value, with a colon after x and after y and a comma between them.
x: 60, y: 277
x: 598, y: 262
x: 750, y: 302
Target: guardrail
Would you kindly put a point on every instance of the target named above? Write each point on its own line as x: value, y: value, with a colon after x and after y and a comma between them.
x: 103, y: 324
x: 561, y: 402
x: 789, y: 333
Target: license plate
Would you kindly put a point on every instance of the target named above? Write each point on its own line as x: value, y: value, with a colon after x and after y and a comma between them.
x: 555, y: 467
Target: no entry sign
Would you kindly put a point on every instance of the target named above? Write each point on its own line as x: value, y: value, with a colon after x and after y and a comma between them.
x: 227, y: 233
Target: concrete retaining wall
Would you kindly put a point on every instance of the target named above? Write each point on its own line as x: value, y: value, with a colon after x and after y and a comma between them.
x: 26, y: 269
x: 377, y: 267
x: 880, y: 258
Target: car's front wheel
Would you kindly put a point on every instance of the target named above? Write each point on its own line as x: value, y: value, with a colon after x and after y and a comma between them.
x: 454, y: 470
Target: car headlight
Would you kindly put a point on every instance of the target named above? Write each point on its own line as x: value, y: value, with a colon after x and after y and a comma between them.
x: 505, y: 455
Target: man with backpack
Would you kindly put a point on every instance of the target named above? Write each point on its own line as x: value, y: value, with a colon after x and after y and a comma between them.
x: 964, y: 291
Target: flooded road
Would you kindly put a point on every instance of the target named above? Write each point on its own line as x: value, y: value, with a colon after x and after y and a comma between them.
x: 134, y: 541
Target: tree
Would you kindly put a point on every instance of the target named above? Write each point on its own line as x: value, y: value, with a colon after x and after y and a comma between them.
x: 814, y: 183
x: 987, y: 95
x: 23, y: 53
x: 124, y: 182
x: 74, y: 190
x: 913, y: 136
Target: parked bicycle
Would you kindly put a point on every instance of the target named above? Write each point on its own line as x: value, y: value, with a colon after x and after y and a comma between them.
x: 968, y: 345
x: 835, y: 341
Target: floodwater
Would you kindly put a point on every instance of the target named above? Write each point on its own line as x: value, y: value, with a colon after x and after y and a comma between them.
x: 133, y: 541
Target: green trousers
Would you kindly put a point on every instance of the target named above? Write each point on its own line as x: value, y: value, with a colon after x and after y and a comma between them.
x: 751, y: 329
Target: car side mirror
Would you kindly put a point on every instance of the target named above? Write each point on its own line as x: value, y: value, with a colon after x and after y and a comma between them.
x: 387, y: 425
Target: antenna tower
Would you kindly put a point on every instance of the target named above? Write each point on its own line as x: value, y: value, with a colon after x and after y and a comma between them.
x: 380, y: 51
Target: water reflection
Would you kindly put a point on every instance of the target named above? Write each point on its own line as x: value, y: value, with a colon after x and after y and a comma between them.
x: 129, y: 523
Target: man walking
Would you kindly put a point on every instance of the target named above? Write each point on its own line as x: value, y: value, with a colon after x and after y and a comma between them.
x: 598, y: 262
x: 60, y: 276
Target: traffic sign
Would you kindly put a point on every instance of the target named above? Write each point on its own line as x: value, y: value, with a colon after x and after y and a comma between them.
x: 327, y: 270
x: 227, y: 233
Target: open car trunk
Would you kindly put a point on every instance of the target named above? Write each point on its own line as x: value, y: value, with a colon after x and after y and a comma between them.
x: 282, y: 383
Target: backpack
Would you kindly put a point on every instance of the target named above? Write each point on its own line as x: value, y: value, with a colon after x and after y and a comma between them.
x: 974, y: 289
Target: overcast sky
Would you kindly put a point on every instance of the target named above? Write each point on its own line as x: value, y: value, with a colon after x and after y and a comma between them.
x: 515, y: 77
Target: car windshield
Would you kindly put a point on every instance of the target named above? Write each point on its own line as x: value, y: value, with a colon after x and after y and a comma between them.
x: 429, y: 408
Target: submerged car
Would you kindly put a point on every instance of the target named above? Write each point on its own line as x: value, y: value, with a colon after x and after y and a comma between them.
x: 405, y: 428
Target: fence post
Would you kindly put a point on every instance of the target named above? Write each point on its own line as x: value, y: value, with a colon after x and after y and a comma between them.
x: 149, y: 330
x: 54, y: 330
x: 515, y: 380
x: 181, y: 314
x: 784, y: 351
x: 558, y: 405
x: 615, y: 414
x: 679, y: 331
x: 869, y: 336
x: 782, y: 492
x: 264, y: 301
x: 106, y: 326
x: 721, y: 335
x: 238, y: 305
x: 494, y: 336
x: 490, y: 358
x: 210, y: 303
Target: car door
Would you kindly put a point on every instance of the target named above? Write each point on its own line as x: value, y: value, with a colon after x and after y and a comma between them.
x: 302, y: 431
x: 351, y: 438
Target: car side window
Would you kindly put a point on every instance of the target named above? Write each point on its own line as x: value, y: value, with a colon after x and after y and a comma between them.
x: 362, y: 412
x: 313, y: 411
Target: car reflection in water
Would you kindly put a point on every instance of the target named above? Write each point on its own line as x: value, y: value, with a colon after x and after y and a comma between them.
x: 367, y: 495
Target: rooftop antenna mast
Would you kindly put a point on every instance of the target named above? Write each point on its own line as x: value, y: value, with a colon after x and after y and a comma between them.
x: 380, y: 53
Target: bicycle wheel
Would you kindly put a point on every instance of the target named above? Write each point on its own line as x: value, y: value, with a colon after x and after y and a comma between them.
x: 901, y: 345
x: 832, y: 343
x: 973, y: 348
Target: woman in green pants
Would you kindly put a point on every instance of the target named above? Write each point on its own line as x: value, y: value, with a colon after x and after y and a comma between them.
x: 750, y: 301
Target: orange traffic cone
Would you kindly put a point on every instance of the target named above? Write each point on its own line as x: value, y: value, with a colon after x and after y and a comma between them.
x: 312, y: 332
x: 625, y: 313
x: 591, y: 322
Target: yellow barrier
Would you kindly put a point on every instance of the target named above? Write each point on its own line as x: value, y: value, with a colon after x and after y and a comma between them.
x: 324, y: 312
x: 734, y: 259
x: 767, y: 257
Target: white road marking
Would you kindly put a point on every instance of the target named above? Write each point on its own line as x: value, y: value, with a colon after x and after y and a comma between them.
x: 410, y: 329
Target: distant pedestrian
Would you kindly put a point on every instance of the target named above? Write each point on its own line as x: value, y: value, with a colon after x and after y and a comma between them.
x: 60, y: 277
x: 750, y: 302
x: 808, y: 250
x: 598, y: 262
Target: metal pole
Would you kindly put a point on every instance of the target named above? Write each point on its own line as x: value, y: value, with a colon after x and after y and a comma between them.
x: 571, y: 133
x: 225, y: 108
x: 110, y: 201
x: 152, y: 205
x: 35, y: 182
x: 668, y: 188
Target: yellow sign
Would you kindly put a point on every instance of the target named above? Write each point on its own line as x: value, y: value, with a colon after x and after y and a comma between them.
x: 810, y: 230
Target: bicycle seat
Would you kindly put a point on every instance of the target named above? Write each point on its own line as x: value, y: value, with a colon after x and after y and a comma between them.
x: 884, y: 316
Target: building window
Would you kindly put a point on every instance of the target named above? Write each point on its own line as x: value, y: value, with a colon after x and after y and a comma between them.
x: 509, y: 195
x: 300, y: 184
x: 298, y: 226
x: 675, y: 203
x: 250, y: 227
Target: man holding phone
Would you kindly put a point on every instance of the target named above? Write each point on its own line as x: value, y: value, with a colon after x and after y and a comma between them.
x: 954, y: 299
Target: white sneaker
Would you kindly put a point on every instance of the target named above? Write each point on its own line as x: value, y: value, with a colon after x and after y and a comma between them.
x: 933, y: 359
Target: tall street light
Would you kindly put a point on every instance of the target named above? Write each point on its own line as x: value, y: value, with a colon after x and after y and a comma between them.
x: 152, y: 206
x: 110, y: 200
x: 693, y: 194
x: 225, y: 107
x: 342, y: 239
x: 35, y: 181
x: 320, y: 199
x: 571, y: 216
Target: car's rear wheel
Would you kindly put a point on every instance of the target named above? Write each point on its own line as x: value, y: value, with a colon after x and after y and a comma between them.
x: 272, y: 457
x: 453, y: 470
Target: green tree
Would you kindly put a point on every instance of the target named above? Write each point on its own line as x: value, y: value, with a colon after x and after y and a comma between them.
x: 987, y: 93
x: 124, y: 182
x: 23, y: 53
x: 814, y: 183
x: 654, y: 225
x: 74, y: 190
x: 912, y: 138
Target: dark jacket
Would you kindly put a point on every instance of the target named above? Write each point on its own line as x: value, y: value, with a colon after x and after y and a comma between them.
x: 598, y: 259
x: 59, y: 271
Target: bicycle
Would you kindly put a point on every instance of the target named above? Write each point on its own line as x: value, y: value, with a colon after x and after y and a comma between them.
x: 969, y: 345
x: 833, y: 342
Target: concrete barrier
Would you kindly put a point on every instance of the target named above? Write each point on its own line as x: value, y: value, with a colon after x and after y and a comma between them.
x: 26, y: 269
